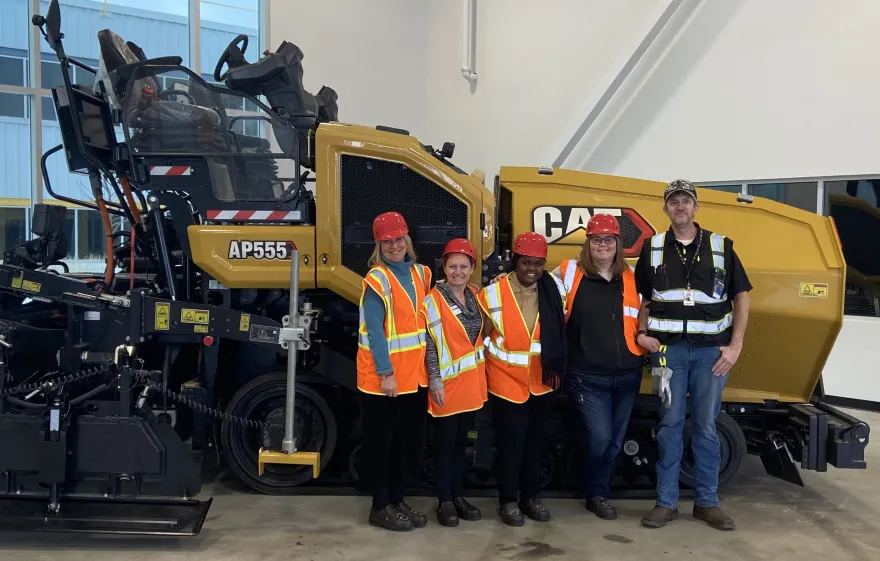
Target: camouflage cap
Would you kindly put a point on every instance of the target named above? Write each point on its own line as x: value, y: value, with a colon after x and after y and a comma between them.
x: 680, y: 186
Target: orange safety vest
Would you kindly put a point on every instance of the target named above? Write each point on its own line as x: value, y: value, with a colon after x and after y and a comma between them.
x: 404, y: 331
x: 462, y: 364
x: 571, y: 273
x: 513, y: 355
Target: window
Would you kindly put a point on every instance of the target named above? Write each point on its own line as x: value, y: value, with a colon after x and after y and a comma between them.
x: 800, y: 195
x: 726, y: 188
x: 160, y: 29
x: 855, y: 207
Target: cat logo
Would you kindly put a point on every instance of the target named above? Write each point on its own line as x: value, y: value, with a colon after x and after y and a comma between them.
x: 567, y: 225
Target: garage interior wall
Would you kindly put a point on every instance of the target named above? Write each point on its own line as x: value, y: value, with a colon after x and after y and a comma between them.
x: 738, y: 92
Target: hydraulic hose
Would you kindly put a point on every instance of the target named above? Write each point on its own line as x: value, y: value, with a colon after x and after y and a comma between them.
x: 108, y: 231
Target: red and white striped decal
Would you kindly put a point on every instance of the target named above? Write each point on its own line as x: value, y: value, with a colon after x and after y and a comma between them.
x: 255, y: 215
x: 170, y: 170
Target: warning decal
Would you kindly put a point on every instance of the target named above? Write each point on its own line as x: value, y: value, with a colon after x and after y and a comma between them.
x: 200, y: 328
x: 245, y: 322
x: 263, y: 334
x: 813, y: 290
x: 163, y: 312
x: 30, y: 286
x: 188, y: 315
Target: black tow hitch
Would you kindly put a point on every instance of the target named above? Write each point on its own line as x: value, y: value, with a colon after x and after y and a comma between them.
x: 812, y: 436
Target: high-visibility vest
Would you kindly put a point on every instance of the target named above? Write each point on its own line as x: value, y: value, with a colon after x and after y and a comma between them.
x: 404, y: 331
x: 513, y: 355
x: 571, y: 274
x: 462, y: 364
x: 711, y: 316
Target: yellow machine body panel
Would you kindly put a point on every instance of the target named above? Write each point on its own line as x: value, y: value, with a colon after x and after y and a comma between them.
x: 792, y: 257
x: 332, y: 141
x: 249, y: 256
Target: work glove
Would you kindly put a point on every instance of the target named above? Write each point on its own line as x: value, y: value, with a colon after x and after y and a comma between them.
x: 661, y: 376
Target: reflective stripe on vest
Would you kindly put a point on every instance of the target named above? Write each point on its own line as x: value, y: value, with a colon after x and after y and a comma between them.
x: 403, y: 331
x: 397, y: 342
x: 513, y: 354
x: 449, y: 367
x: 695, y: 327
x: 716, y: 242
x: 677, y: 295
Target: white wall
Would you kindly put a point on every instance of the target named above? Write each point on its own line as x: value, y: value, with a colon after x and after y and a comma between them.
x: 370, y: 52
x: 733, y: 89
x: 749, y: 89
x: 537, y: 64
x: 851, y: 370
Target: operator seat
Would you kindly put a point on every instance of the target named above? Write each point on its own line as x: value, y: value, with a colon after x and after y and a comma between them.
x: 157, y: 120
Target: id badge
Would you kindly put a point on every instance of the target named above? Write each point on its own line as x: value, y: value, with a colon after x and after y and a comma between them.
x: 718, y: 285
x: 688, y: 297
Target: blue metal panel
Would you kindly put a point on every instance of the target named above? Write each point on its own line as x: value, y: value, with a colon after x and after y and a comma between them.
x: 14, y: 24
x: 15, y: 158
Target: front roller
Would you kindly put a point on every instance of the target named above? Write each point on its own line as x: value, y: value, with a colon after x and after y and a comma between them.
x: 296, y: 330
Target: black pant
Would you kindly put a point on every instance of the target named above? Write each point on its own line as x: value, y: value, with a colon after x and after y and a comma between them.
x: 450, y: 438
x: 394, y: 441
x: 520, y: 429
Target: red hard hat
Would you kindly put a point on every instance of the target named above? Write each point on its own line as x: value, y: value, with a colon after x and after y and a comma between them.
x: 603, y: 224
x: 460, y: 245
x: 531, y: 244
x: 388, y: 226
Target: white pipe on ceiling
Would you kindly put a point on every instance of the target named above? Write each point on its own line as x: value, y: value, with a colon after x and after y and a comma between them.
x: 468, y: 37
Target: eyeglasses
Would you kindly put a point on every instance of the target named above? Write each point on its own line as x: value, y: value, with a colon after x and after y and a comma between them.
x: 607, y: 240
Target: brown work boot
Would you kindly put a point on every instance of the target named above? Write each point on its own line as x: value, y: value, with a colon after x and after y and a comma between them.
x: 391, y: 519
x: 419, y: 519
x: 659, y: 516
x: 714, y: 516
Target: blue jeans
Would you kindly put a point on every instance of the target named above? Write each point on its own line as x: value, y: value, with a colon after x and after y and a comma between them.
x: 604, y: 403
x: 691, y: 373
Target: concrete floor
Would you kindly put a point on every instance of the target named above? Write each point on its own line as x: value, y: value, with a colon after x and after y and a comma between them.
x: 836, y: 517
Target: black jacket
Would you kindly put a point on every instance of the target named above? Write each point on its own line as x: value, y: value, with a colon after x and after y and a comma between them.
x: 596, y: 343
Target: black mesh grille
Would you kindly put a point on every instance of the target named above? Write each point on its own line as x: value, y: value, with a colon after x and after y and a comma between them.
x: 370, y: 187
x: 629, y: 232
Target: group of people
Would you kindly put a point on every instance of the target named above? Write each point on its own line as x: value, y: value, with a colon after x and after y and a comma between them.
x: 589, y: 327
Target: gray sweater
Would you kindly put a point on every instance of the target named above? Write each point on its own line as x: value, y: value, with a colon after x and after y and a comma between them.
x: 472, y: 320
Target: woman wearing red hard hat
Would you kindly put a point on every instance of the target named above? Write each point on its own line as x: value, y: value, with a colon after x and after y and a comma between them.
x: 391, y: 372
x: 457, y: 376
x: 525, y: 362
x: 604, y: 362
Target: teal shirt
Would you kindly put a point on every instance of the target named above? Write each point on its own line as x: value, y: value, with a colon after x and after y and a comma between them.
x: 374, y: 313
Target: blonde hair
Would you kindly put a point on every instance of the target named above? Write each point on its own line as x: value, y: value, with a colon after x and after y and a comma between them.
x: 617, y: 266
x: 376, y: 257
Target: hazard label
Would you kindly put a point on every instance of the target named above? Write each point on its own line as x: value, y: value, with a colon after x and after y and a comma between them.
x: 163, y: 312
x: 814, y: 290
x: 30, y: 286
x: 245, y: 322
x: 188, y: 315
x: 200, y: 328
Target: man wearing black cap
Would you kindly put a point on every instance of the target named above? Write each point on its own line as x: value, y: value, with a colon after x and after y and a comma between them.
x: 695, y: 302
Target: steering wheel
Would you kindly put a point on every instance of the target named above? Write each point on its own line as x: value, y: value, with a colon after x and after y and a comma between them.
x: 232, y: 56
